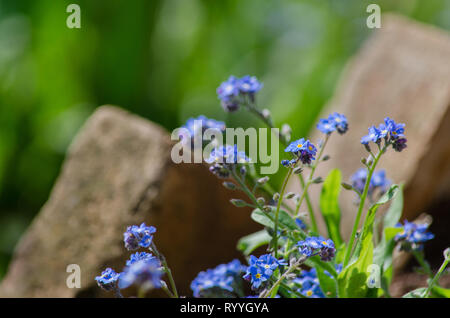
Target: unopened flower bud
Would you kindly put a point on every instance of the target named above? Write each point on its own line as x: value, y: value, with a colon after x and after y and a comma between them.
x: 243, y: 171
x: 325, y: 158
x: 261, y: 201
x: 262, y: 181
x: 266, y: 113
x: 298, y: 170
x: 276, y: 196
x: 267, y: 208
x: 229, y: 185
x: 289, y: 195
x: 318, y: 180
x: 346, y: 186
x: 238, y: 202
x: 447, y: 253
x: 364, y: 161
x: 286, y: 129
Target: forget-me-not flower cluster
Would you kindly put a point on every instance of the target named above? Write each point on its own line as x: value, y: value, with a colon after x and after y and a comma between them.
x: 413, y: 235
x: 233, y: 90
x: 221, y: 281
x: 313, y: 246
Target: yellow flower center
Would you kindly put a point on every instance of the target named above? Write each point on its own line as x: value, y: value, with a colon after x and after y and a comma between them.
x: 258, y: 275
x: 324, y: 243
x: 267, y: 266
x: 309, y: 293
x: 299, y: 145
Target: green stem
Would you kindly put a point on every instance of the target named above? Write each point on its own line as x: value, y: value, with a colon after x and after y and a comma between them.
x: 166, y: 269
x: 268, y: 123
x: 280, y: 200
x: 245, y: 188
x: 423, y: 263
x: 141, y: 293
x: 118, y: 293
x: 290, y: 269
x: 436, y: 277
x: 305, y: 187
x: 167, y: 291
x: 371, y: 169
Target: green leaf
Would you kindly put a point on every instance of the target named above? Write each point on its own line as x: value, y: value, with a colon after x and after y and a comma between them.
x: 384, y: 250
x: 352, y: 281
x: 285, y: 221
x: 263, y: 218
x: 329, y: 204
x: 340, y: 253
x: 440, y: 292
x: 370, y: 218
x: 394, y: 213
x: 249, y: 243
x: 416, y: 293
x: 327, y: 283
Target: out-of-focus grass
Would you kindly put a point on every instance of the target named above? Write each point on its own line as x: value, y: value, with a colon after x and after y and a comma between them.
x: 162, y: 59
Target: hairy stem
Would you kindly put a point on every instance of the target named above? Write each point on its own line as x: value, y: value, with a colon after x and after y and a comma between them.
x: 306, y: 185
x: 436, y: 277
x: 245, y: 188
x: 280, y: 200
x: 290, y: 269
x: 423, y: 263
x: 166, y: 269
x: 371, y: 169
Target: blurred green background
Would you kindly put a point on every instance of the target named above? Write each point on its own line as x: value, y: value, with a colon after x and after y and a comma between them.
x: 163, y: 60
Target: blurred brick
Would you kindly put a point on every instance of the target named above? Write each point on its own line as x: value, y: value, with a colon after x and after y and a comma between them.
x: 402, y: 72
x: 118, y: 172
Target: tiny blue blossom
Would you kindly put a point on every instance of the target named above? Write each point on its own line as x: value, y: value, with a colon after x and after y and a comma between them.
x: 233, y: 88
x: 311, y: 290
x: 224, y: 280
x: 340, y: 122
x: 390, y: 131
x: 303, y: 149
x: 334, y: 122
x: 195, y: 127
x: 261, y: 269
x: 300, y: 224
x: 377, y: 182
x: 326, y: 126
x: 395, y: 130
x: 374, y: 136
x: 108, y: 279
x: 285, y: 163
x: 249, y: 84
x: 145, y: 273
x: 413, y: 235
x: 223, y: 158
x: 138, y: 257
x: 228, y: 89
x: 226, y: 154
x: 138, y: 236
x: 312, y: 246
